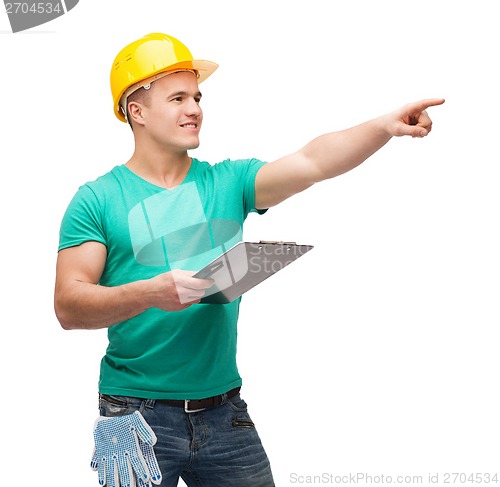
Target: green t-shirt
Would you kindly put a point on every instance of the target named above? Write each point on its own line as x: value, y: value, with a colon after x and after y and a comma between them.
x: 147, y: 230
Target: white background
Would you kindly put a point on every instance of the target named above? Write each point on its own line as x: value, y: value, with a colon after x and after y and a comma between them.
x: 377, y: 352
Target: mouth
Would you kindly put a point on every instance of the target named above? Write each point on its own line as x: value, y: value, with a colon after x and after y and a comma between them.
x: 189, y: 125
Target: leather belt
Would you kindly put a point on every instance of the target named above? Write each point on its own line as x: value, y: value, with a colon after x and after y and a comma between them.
x: 195, y: 405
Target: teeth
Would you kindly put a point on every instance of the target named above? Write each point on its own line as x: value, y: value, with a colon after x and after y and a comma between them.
x: 190, y: 125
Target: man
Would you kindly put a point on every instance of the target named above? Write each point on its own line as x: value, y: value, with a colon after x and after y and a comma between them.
x: 130, y: 244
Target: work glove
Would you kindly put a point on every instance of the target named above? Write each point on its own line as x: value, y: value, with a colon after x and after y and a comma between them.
x: 123, y: 452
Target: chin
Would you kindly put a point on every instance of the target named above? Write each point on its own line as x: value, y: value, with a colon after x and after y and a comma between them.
x: 194, y: 145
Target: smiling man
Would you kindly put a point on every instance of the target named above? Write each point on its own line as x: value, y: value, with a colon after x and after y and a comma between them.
x: 130, y: 243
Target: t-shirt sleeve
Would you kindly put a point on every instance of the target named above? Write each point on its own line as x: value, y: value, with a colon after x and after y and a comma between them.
x: 82, y: 221
x: 249, y: 169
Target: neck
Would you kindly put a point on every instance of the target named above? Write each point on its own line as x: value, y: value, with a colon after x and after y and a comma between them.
x: 161, y: 168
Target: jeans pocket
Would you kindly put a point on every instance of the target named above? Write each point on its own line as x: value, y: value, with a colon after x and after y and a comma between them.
x: 113, y: 406
x: 242, y: 423
x: 237, y: 404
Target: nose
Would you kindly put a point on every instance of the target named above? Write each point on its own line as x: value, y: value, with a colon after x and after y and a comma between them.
x: 193, y: 108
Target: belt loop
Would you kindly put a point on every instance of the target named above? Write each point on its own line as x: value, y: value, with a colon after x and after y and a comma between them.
x: 149, y: 403
x: 223, y: 398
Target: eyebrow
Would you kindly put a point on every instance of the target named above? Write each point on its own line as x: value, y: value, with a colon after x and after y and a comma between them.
x: 185, y: 93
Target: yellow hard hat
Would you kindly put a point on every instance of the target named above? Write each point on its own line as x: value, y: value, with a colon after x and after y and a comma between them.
x: 147, y: 59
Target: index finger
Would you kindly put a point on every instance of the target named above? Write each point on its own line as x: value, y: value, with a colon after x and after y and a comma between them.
x: 187, y: 280
x: 198, y: 283
x: 426, y: 103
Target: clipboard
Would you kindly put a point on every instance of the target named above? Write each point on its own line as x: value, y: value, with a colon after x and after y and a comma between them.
x: 245, y: 265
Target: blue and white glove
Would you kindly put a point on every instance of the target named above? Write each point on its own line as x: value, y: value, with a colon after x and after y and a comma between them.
x: 123, y: 452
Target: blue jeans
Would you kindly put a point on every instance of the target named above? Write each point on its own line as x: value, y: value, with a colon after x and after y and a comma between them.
x: 216, y: 447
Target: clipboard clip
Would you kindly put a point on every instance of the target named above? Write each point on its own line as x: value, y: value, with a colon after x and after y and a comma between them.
x: 280, y: 242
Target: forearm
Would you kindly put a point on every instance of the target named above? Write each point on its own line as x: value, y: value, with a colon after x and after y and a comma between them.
x: 338, y: 152
x: 335, y: 153
x: 84, y: 305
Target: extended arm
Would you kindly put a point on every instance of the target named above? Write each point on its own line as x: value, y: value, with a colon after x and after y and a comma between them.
x: 80, y: 302
x: 338, y: 152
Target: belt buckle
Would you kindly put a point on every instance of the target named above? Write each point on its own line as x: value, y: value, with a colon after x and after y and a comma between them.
x: 189, y: 411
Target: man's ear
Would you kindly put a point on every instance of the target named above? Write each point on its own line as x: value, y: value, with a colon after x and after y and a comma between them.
x: 135, y: 112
